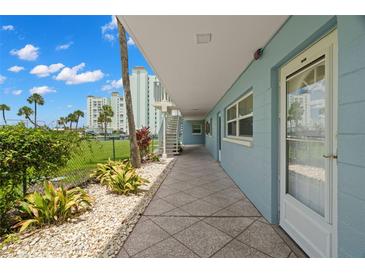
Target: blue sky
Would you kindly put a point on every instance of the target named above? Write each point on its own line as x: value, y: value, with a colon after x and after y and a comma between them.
x: 64, y: 58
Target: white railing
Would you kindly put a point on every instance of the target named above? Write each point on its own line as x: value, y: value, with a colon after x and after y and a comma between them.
x: 160, y: 94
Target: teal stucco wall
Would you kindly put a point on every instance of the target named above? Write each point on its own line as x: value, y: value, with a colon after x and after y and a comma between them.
x: 255, y: 169
x: 188, y: 137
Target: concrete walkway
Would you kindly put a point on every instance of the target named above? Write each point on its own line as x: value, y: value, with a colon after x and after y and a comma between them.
x: 198, y: 211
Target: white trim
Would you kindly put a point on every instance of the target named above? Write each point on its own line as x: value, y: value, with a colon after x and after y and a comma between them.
x: 244, y: 142
x: 238, y: 117
x: 292, y: 212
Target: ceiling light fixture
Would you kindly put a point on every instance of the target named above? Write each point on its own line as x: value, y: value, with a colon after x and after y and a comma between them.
x: 203, y: 38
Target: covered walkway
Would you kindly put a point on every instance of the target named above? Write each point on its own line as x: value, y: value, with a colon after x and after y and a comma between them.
x: 198, y: 211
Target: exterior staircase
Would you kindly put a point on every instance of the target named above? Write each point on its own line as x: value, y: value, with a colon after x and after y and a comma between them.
x: 173, y: 135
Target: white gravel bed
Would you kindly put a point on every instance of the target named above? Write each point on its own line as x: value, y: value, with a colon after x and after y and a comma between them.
x: 99, y: 232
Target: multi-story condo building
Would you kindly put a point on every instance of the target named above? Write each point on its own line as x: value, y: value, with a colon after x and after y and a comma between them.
x: 94, y: 106
x: 143, y: 89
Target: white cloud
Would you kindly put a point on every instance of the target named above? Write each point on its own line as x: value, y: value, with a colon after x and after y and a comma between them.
x: 113, y: 84
x: 108, y: 29
x: 29, y: 53
x: 130, y: 41
x: 17, y: 92
x: 109, y: 37
x: 69, y: 106
x: 112, y: 25
x: 71, y: 76
x: 44, y: 71
x: 2, y: 79
x: 64, y: 46
x: 42, y: 90
x: 15, y: 69
x: 8, y: 27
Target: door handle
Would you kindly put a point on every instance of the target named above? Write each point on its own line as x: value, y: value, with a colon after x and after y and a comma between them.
x: 330, y: 156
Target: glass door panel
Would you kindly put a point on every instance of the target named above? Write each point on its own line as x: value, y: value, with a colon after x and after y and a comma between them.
x: 306, y: 135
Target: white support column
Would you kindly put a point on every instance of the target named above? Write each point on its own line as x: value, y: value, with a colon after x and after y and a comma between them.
x: 164, y: 155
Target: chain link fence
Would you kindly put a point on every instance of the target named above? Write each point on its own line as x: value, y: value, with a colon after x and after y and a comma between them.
x: 92, y: 152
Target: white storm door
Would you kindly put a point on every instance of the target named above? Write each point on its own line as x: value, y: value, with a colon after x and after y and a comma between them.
x: 308, y: 130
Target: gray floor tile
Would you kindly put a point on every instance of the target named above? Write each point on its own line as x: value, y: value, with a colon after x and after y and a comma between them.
x: 157, y: 207
x: 292, y: 245
x: 203, y: 239
x: 200, y: 208
x: 292, y: 255
x: 163, y: 192
x: 198, y: 192
x: 180, y: 198
x: 233, y: 192
x: 214, y: 186
x: 173, y: 224
x: 230, y: 225
x: 263, y: 220
x: 143, y: 236
x: 240, y: 208
x: 236, y: 249
x: 122, y: 253
x: 176, y: 212
x: 169, y: 248
x: 264, y: 238
x: 220, y: 199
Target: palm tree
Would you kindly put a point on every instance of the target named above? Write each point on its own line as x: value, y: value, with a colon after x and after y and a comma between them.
x: 62, y: 122
x: 26, y: 112
x: 37, y: 99
x: 105, y: 117
x: 71, y: 118
x: 4, y: 108
x: 78, y: 113
x: 134, y: 149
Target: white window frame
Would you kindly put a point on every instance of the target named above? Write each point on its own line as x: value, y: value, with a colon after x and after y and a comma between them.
x: 244, y: 140
x: 196, y: 124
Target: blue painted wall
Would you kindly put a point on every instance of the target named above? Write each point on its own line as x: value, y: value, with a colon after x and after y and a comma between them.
x: 188, y: 137
x: 351, y: 138
x: 255, y: 168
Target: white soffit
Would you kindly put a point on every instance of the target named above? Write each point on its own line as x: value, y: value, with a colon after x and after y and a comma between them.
x: 196, y: 75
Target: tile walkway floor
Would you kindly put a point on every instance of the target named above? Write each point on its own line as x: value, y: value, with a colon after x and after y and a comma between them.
x: 198, y: 211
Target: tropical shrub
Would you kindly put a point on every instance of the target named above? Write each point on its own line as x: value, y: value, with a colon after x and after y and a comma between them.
x: 144, y: 140
x: 55, y: 205
x: 151, y: 157
x: 119, y: 177
x: 28, y: 155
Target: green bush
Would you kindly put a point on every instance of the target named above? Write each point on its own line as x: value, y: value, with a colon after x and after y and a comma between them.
x: 119, y: 177
x: 29, y: 155
x: 54, y: 206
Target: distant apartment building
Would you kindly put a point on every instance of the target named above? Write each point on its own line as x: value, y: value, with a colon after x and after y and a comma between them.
x: 94, y: 107
x: 143, y: 89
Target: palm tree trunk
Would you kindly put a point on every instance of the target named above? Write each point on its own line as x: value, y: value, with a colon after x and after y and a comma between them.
x: 105, y: 130
x: 35, y: 114
x: 77, y: 122
x: 30, y: 120
x: 134, y: 149
x: 4, y: 117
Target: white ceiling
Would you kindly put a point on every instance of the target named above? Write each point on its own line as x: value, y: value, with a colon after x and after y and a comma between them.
x: 197, y: 75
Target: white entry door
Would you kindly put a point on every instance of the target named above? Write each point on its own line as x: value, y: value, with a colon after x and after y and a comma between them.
x: 308, y: 130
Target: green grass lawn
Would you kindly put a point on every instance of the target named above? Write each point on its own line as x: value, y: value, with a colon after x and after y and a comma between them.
x: 91, y: 153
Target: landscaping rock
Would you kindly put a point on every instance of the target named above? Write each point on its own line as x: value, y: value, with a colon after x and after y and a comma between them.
x: 99, y: 232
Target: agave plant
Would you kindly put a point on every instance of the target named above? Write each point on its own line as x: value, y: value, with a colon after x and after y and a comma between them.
x: 119, y: 177
x: 54, y: 206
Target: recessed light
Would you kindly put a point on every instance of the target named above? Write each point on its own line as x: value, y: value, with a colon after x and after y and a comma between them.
x: 203, y: 38
x: 195, y: 109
